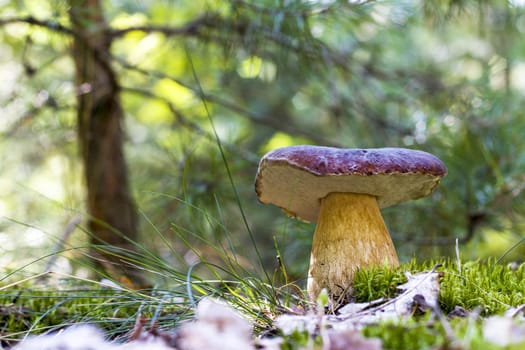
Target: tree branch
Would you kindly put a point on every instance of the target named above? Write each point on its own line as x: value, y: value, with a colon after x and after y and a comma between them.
x: 191, y: 28
x: 254, y: 117
x: 194, y: 127
x: 53, y: 26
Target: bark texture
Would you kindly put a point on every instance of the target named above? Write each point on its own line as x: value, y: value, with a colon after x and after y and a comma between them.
x: 350, y: 234
x: 113, y: 220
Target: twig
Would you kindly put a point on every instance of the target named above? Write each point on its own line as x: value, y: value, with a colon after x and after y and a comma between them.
x: 308, y: 11
x: 458, y: 258
x: 519, y: 309
x: 449, y: 333
x: 391, y: 301
x: 188, y: 285
x: 185, y: 122
x: 190, y: 28
x: 254, y: 117
x: 54, y: 26
x: 70, y: 227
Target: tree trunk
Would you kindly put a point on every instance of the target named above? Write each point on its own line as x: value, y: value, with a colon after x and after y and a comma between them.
x: 113, y: 218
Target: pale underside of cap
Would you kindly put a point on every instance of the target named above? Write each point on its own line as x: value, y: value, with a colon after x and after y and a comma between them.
x: 296, y: 178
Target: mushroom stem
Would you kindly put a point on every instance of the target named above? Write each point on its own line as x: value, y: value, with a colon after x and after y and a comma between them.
x: 350, y: 234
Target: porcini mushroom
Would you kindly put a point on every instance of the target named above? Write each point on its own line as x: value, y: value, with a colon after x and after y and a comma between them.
x: 343, y: 190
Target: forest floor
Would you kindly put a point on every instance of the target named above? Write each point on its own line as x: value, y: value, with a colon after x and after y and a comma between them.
x: 434, y: 305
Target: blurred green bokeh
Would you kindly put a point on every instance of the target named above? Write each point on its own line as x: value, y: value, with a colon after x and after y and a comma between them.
x: 447, y: 77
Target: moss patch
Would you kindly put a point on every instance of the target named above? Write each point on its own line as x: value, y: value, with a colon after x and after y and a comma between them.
x: 486, y: 285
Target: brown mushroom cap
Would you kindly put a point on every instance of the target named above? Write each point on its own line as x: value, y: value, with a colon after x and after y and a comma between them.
x: 295, y: 178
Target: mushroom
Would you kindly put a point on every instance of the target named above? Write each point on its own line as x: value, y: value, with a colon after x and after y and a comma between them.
x: 343, y: 190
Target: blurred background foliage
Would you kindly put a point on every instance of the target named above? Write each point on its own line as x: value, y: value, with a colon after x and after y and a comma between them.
x: 447, y: 77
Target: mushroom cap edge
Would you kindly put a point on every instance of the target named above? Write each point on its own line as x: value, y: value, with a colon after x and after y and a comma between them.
x: 296, y: 178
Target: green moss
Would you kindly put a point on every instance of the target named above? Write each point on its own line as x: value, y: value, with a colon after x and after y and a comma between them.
x: 375, y: 283
x: 412, y: 335
x: 429, y: 333
x: 301, y: 340
x: 486, y: 285
x: 25, y: 311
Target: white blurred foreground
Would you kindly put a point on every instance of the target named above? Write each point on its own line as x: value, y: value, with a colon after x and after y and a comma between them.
x: 217, y: 326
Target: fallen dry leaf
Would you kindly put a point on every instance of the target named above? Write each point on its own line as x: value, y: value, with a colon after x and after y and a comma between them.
x: 218, y: 326
x: 503, y: 330
x: 350, y: 340
x: 421, y: 290
x: 73, y: 338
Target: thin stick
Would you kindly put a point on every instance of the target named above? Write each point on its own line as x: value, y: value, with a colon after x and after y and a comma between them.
x: 458, y: 259
x: 70, y: 227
